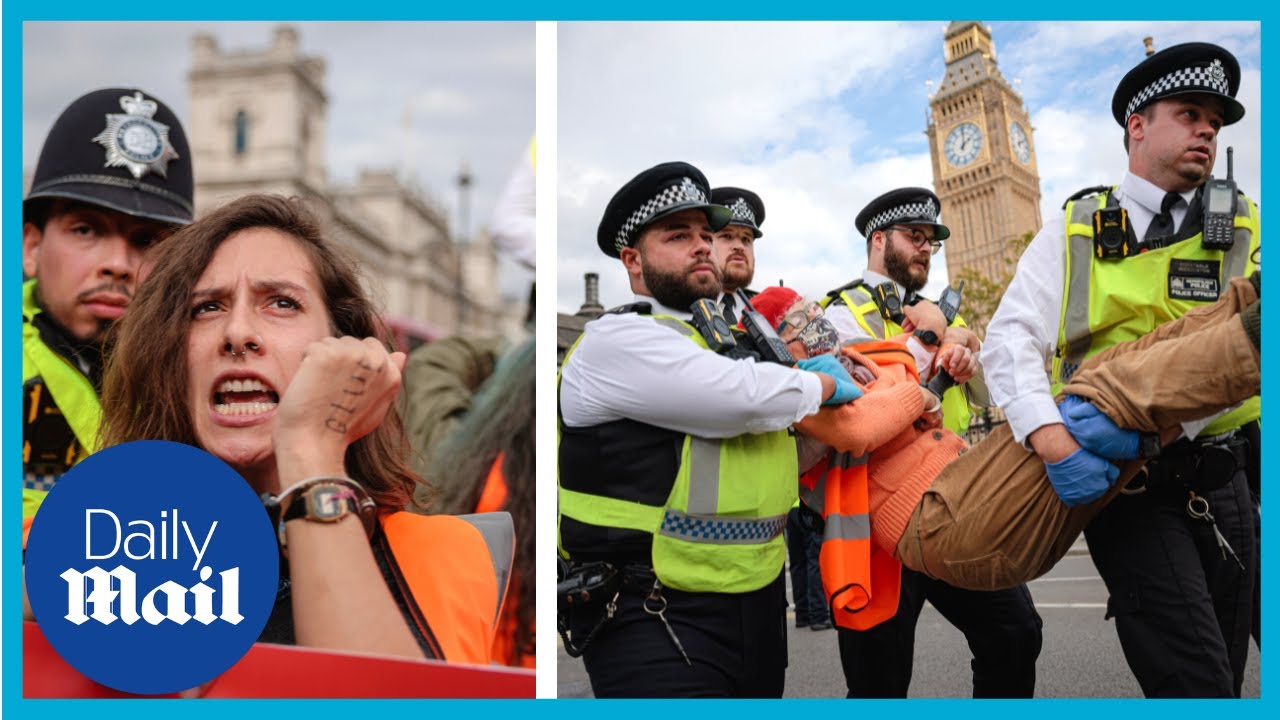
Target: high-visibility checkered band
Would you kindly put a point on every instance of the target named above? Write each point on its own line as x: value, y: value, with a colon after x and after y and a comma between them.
x: 1211, y: 78
x: 721, y: 530
x: 742, y: 212
x: 42, y: 481
x: 687, y: 191
x: 926, y: 211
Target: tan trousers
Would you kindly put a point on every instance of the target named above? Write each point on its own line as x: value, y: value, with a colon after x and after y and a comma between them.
x: 992, y: 520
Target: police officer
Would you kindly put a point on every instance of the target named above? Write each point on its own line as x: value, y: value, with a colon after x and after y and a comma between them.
x: 1181, y: 598
x: 676, y: 467
x: 1002, y: 628
x: 113, y: 178
x: 736, y: 251
x: 735, y: 243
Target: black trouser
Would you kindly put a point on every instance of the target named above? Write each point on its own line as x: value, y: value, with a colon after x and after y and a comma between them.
x: 737, y: 644
x: 1183, y: 612
x: 803, y: 548
x: 1002, y: 628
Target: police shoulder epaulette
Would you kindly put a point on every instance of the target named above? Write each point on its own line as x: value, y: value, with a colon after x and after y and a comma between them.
x: 639, y: 308
x: 835, y: 294
x: 1095, y: 190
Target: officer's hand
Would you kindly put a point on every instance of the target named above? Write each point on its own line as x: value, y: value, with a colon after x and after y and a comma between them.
x: 1081, y: 477
x: 830, y: 366
x: 962, y: 336
x: 1096, y: 432
x: 924, y: 315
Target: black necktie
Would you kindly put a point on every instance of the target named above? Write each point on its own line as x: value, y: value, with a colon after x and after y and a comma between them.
x: 1161, y: 226
x: 728, y: 303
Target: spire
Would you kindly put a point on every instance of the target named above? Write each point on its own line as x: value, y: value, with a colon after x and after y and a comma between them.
x: 971, y: 58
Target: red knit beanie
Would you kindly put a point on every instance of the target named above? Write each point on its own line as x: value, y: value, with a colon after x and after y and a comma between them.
x: 774, y: 302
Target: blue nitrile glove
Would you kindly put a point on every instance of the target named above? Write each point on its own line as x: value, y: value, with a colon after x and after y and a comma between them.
x: 1081, y: 477
x: 829, y: 365
x: 1096, y: 432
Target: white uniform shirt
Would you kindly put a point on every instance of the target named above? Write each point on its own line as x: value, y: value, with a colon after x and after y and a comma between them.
x: 1023, y: 333
x: 629, y: 366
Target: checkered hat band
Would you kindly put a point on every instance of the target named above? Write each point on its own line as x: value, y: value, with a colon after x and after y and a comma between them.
x: 721, y: 530
x: 913, y: 211
x: 1211, y: 79
x: 684, y: 192
x: 742, y: 212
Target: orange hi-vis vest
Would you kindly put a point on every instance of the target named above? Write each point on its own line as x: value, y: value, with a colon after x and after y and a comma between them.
x: 493, y: 498
x: 865, y: 515
x: 456, y: 569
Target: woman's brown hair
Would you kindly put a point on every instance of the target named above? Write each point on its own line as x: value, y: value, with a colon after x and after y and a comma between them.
x: 144, y: 395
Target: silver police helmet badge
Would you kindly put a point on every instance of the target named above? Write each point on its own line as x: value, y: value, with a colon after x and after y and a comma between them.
x: 1217, y: 73
x: 135, y: 141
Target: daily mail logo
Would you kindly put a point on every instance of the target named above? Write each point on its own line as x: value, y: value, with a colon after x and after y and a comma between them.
x: 95, y: 588
x: 148, y: 546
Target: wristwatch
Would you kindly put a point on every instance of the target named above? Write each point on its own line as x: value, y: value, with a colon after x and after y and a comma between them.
x: 928, y: 337
x: 325, y: 499
x: 322, y: 502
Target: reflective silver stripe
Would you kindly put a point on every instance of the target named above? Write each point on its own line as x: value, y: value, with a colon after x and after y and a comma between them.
x: 1235, y: 260
x: 1075, y: 322
x: 678, y: 325
x: 721, y: 530
x: 873, y: 319
x: 847, y: 527
x: 704, y: 475
x: 499, y: 535
x: 817, y: 497
x: 846, y: 460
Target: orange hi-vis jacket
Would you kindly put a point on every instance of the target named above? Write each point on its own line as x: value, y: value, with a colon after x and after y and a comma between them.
x: 871, y: 482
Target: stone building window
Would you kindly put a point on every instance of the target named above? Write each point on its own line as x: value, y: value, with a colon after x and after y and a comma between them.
x: 242, y: 132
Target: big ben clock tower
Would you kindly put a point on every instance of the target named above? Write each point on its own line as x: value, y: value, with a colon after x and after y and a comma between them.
x: 984, y: 161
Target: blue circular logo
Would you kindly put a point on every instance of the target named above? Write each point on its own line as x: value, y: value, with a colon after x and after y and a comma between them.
x: 151, y: 567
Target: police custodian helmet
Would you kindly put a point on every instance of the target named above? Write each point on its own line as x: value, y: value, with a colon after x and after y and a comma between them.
x: 120, y: 149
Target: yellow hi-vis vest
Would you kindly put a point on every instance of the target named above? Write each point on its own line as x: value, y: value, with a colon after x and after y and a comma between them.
x: 955, y: 404
x: 1105, y: 302
x: 69, y: 393
x: 721, y: 527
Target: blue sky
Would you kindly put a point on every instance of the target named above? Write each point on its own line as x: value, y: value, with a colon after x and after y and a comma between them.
x: 819, y: 118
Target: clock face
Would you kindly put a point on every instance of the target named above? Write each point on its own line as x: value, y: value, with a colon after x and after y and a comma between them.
x: 1018, y: 141
x: 963, y: 144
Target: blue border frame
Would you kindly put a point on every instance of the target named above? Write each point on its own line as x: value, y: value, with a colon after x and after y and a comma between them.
x: 10, y: 292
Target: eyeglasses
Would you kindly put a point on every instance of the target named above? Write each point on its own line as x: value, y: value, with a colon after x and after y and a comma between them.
x: 918, y: 238
x: 800, y: 319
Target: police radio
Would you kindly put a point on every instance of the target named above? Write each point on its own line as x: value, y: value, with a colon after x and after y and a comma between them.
x: 1220, y: 210
x: 949, y: 303
x: 762, y: 334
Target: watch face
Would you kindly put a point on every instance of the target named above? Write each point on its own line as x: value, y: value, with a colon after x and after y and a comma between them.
x: 1020, y: 144
x: 963, y: 144
x: 328, y: 502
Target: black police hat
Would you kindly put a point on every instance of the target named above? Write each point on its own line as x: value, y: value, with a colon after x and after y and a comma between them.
x: 912, y: 206
x: 1200, y: 68
x: 655, y: 193
x: 746, y: 206
x: 121, y: 149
